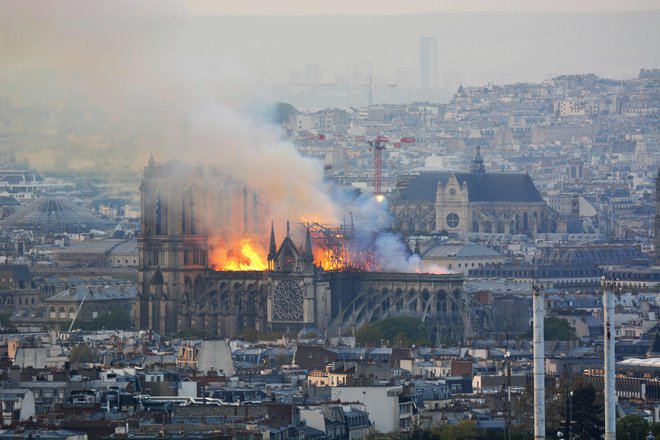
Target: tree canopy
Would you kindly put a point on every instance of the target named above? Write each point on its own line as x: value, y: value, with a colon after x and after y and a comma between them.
x: 558, y: 329
x: 115, y: 320
x: 631, y: 427
x: 81, y: 354
x: 394, y: 331
x: 282, y: 111
x: 586, y: 413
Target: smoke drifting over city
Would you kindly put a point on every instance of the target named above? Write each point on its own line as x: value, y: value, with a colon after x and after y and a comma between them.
x: 131, y: 59
x: 249, y: 219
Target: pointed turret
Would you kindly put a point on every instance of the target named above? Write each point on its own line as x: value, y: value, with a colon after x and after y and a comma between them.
x: 158, y: 277
x: 307, y: 254
x: 152, y: 162
x: 288, y: 230
x: 308, y: 245
x: 272, y: 249
x: 477, y: 165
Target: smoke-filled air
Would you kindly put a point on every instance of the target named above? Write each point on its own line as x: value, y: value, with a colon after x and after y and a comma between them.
x: 134, y: 70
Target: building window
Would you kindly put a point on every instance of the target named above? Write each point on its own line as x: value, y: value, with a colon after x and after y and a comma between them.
x: 452, y: 220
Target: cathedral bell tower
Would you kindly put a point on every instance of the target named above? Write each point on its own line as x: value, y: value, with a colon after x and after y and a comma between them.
x: 172, y: 245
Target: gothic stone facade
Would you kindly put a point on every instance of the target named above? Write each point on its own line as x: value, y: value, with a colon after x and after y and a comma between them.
x: 473, y: 202
x: 178, y: 290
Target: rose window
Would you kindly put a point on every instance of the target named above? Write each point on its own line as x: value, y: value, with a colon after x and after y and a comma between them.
x: 288, y: 301
x: 453, y: 220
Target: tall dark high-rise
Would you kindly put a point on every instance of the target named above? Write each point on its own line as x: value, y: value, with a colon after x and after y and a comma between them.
x: 427, y: 62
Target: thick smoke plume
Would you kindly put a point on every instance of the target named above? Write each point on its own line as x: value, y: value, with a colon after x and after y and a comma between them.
x: 136, y: 64
x: 146, y: 86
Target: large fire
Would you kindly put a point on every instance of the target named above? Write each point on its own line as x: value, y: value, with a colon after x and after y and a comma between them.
x: 248, y: 257
x: 335, y: 248
x: 339, y: 248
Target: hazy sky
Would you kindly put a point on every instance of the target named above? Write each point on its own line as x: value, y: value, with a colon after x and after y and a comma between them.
x: 393, y: 7
x: 150, y: 72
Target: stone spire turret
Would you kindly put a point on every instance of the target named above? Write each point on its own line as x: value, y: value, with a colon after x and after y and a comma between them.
x: 272, y: 249
x: 477, y: 165
x: 307, y: 252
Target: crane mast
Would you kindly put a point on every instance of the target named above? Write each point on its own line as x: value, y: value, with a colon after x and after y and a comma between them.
x: 378, y: 145
x: 73, y: 321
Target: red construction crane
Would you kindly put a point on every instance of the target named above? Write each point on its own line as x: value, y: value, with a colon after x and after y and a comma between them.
x: 378, y: 145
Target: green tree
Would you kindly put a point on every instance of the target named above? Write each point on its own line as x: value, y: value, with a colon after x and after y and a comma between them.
x: 368, y: 335
x: 250, y: 335
x: 655, y: 429
x: 253, y: 335
x: 115, y: 320
x: 282, y: 359
x: 82, y: 353
x: 558, y: 329
x: 282, y: 112
x: 412, y: 328
x: 631, y: 427
x: 587, y: 413
x: 463, y: 430
x: 402, y: 340
x: 192, y: 333
x: 394, y: 331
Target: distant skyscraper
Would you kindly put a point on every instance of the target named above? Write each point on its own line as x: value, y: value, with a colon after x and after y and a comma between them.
x: 427, y: 62
x: 312, y: 74
x: 362, y: 73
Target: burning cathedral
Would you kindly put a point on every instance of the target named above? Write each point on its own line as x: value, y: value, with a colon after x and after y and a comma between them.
x: 210, y: 260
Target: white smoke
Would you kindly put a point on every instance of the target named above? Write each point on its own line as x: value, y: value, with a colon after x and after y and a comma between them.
x: 163, y: 92
x: 393, y: 254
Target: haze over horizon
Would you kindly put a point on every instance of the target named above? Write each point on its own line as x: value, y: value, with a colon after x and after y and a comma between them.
x: 389, y: 7
x: 150, y: 68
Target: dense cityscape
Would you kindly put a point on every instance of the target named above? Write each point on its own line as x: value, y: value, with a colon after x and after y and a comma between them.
x: 484, y: 266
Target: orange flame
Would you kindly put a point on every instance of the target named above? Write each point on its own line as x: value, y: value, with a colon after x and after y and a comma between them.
x: 329, y: 260
x: 249, y: 259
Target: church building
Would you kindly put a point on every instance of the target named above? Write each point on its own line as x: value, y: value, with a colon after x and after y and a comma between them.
x: 473, y: 202
x: 184, y: 208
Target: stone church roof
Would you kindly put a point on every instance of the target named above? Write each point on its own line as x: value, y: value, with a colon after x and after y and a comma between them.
x: 482, y: 187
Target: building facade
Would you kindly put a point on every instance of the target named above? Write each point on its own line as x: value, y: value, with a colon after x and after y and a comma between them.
x: 179, y: 290
x: 473, y: 202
